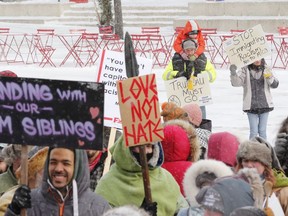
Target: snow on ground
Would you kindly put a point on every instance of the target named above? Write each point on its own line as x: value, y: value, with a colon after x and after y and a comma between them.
x: 225, y: 112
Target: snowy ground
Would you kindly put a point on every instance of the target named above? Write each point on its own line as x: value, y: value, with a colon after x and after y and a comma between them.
x: 225, y: 112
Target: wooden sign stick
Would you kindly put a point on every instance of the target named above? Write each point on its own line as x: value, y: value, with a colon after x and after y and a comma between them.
x: 110, y: 143
x: 24, y: 171
x: 145, y: 174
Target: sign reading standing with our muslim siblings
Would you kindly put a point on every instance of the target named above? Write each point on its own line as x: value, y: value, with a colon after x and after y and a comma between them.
x: 51, y: 112
x: 139, y: 108
x: 247, y: 47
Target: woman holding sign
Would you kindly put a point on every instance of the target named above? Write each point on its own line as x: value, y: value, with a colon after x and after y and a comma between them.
x: 256, y: 80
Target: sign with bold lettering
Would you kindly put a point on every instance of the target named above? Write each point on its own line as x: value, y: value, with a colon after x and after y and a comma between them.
x: 112, y: 69
x: 51, y: 112
x: 178, y: 92
x: 247, y: 47
x: 139, y: 108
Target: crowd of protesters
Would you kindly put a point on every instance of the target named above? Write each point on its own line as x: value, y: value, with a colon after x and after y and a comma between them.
x: 192, y: 171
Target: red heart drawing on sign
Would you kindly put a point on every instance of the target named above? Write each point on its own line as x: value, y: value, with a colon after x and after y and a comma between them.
x: 94, y: 112
x: 81, y: 143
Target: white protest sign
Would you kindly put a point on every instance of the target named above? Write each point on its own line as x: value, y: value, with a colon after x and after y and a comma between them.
x: 111, y: 68
x: 178, y: 92
x: 247, y: 47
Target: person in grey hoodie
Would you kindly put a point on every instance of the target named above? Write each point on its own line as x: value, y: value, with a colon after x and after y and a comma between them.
x: 64, y: 190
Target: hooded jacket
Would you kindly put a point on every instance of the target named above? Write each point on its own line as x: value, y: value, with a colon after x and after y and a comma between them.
x: 183, y: 34
x: 181, y: 148
x: 46, y: 200
x: 123, y: 184
x: 223, y: 146
x: 228, y: 193
x: 7, y: 180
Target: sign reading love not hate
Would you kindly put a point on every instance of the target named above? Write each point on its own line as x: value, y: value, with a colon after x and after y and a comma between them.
x: 139, y: 108
x: 51, y: 112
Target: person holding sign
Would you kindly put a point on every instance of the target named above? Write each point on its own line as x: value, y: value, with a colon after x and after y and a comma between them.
x: 189, y: 68
x: 256, y: 80
x: 123, y: 184
x: 64, y: 189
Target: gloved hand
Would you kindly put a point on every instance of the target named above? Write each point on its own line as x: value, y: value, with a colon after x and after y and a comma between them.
x: 184, y: 55
x: 281, y: 144
x: 267, y: 73
x: 21, y: 199
x: 182, y: 74
x: 151, y: 208
x: 193, y: 58
x: 233, y: 69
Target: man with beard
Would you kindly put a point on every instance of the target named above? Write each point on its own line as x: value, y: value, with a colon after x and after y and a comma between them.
x: 64, y: 190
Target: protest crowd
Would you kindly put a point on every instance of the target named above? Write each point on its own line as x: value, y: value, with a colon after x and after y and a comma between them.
x: 179, y: 167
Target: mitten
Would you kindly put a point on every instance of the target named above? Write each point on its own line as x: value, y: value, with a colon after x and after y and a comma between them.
x: 184, y: 55
x: 267, y: 73
x: 192, y: 58
x: 182, y: 74
x: 233, y: 69
x: 151, y: 208
x: 21, y: 199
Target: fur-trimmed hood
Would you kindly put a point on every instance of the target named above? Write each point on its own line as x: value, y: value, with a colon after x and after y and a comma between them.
x: 172, y: 139
x: 201, y: 166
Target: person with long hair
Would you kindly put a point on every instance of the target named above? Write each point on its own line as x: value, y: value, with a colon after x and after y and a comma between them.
x: 259, y: 155
x: 256, y: 80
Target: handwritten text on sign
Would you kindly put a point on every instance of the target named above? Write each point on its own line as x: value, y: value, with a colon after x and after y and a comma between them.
x: 139, y: 108
x: 178, y: 92
x: 247, y: 47
x: 112, y: 69
x: 50, y: 112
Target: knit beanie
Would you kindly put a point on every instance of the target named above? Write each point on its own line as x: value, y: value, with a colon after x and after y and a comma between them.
x: 189, y: 44
x: 194, y: 113
x: 7, y: 73
x: 254, y: 151
x: 171, y: 111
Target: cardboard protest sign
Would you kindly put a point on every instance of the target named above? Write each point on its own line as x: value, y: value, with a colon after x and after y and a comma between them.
x: 178, y: 92
x: 51, y: 113
x: 139, y: 107
x: 247, y: 47
x: 111, y: 69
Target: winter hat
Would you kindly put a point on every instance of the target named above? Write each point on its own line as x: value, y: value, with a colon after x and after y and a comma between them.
x: 194, y: 176
x: 35, y: 163
x: 7, y: 73
x: 211, y: 199
x: 275, y: 161
x: 11, y: 153
x: 171, y: 111
x: 127, y: 210
x: 223, y: 146
x: 254, y: 151
x: 225, y: 195
x: 194, y: 113
x: 177, y: 133
x: 248, y: 211
x: 189, y: 44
